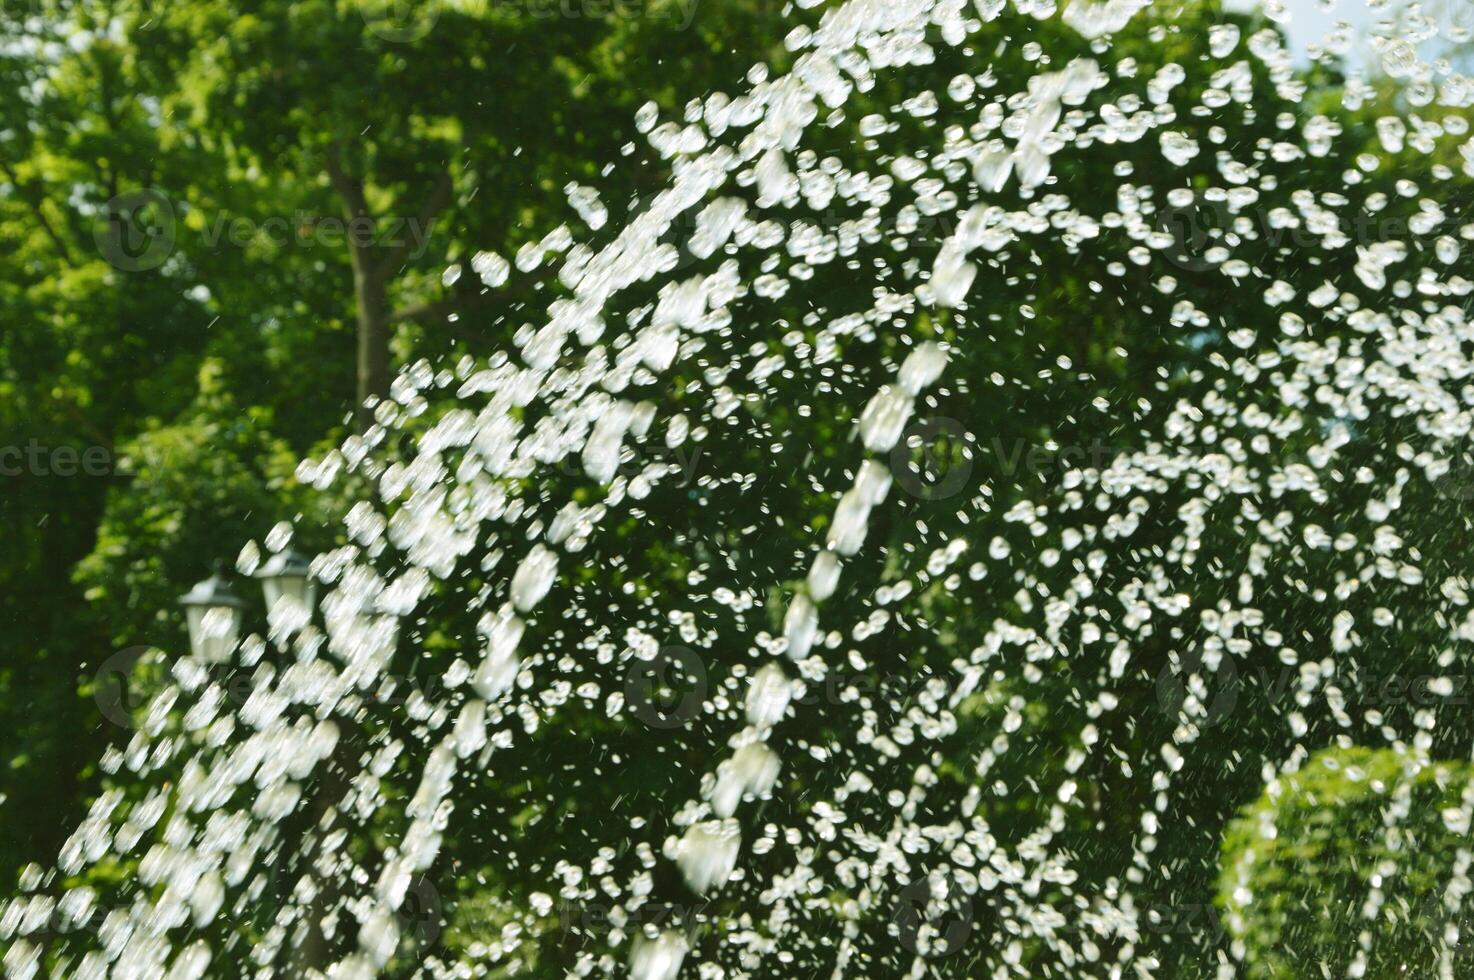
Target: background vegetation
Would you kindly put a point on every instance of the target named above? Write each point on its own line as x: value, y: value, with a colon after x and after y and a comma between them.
x: 256, y: 139
x: 247, y: 138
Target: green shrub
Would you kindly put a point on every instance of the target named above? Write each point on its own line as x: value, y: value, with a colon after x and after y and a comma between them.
x: 1344, y: 869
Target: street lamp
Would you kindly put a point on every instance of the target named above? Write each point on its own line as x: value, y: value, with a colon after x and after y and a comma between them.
x: 288, y: 573
x: 214, y: 614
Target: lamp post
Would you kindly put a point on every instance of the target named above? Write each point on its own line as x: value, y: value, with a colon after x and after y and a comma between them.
x: 214, y: 613
x: 288, y: 573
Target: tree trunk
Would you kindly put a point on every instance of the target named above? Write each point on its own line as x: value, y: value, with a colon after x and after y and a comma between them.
x: 370, y: 289
x: 370, y: 297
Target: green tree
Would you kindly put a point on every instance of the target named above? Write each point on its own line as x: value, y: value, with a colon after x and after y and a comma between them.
x: 1064, y: 346
x: 85, y: 351
x: 221, y: 239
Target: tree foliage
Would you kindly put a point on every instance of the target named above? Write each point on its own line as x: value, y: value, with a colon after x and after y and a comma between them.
x: 1346, y: 865
x: 224, y: 223
x: 244, y: 133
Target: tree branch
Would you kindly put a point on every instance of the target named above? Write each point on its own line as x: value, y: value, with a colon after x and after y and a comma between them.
x: 435, y: 202
x: 350, y: 189
x: 35, y: 206
x: 430, y: 314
